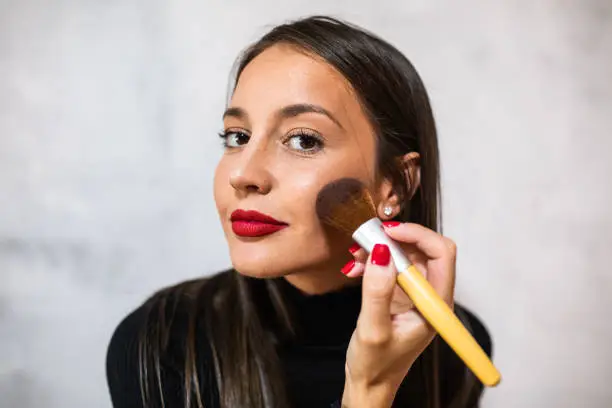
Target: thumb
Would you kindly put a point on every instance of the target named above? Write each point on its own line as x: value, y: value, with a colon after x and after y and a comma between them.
x: 378, y: 284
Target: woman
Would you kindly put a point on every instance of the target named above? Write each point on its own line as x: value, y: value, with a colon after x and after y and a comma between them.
x: 314, y: 100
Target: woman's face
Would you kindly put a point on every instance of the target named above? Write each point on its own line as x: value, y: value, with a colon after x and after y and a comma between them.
x: 293, y: 125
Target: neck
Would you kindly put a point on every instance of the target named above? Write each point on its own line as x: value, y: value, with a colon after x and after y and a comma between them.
x: 320, y: 281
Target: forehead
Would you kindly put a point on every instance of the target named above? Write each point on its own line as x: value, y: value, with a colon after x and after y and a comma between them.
x: 282, y: 75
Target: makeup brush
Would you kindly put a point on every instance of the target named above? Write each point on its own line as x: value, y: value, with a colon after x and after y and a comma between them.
x: 346, y: 205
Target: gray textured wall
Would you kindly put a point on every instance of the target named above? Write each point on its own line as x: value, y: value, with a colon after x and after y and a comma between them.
x: 108, y: 114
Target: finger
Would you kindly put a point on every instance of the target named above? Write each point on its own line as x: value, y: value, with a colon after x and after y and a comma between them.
x: 432, y: 244
x: 353, y: 269
x: 440, y: 250
x: 378, y: 284
x: 400, y: 302
x: 441, y: 277
x: 358, y: 253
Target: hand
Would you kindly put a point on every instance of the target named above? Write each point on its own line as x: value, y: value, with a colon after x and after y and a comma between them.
x: 390, y: 332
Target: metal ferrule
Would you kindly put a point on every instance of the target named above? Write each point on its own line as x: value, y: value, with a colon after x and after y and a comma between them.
x: 371, y: 233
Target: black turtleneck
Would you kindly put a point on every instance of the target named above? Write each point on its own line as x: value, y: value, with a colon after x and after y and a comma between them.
x: 313, y: 361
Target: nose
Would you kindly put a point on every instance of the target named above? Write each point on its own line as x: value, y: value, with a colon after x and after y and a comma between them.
x: 251, y: 175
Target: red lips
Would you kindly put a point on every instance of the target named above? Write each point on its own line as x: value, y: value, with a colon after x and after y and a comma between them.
x: 254, y: 224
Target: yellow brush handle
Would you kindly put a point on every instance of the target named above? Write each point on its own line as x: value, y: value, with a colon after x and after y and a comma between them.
x: 450, y: 328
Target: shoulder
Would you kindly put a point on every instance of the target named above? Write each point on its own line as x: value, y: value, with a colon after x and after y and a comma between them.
x: 122, y: 360
x: 458, y: 385
x: 125, y: 336
x: 169, y: 307
x: 156, y: 329
x: 476, y: 326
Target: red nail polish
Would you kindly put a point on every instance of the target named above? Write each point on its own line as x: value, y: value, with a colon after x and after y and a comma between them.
x: 380, y: 255
x: 354, y: 248
x: 347, y: 268
x: 390, y: 224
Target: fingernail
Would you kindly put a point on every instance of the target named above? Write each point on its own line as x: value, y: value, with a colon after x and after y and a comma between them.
x: 390, y: 224
x: 354, y: 248
x: 381, y: 255
x: 347, y: 268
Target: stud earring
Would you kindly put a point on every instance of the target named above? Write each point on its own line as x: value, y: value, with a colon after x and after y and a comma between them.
x: 388, y: 211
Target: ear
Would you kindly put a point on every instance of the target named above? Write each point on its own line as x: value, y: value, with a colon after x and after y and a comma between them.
x: 412, y: 169
x: 389, y: 204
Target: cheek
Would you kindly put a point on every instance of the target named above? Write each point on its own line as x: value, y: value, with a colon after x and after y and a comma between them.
x: 301, y: 184
x: 220, y: 183
x: 306, y: 244
x: 306, y: 181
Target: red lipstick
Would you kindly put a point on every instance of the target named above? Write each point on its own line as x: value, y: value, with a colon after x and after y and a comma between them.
x: 254, y: 224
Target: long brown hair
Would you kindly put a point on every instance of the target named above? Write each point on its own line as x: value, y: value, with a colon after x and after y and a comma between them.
x: 244, y: 318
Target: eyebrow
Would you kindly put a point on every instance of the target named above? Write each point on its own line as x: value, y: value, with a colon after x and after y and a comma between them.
x: 286, y: 112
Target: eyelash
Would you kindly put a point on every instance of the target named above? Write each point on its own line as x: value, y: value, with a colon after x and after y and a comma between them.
x: 319, y: 140
x: 224, y: 135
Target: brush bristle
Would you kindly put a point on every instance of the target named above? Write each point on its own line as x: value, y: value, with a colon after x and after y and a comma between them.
x: 345, y: 204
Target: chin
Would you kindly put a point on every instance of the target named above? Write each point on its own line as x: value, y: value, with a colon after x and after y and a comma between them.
x: 258, y: 263
x: 258, y: 270
x: 276, y: 260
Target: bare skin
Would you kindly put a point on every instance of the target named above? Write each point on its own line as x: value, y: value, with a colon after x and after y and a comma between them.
x: 294, y: 124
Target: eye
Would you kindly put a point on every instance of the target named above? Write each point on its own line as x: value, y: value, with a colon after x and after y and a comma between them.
x: 304, y: 142
x: 234, y: 138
